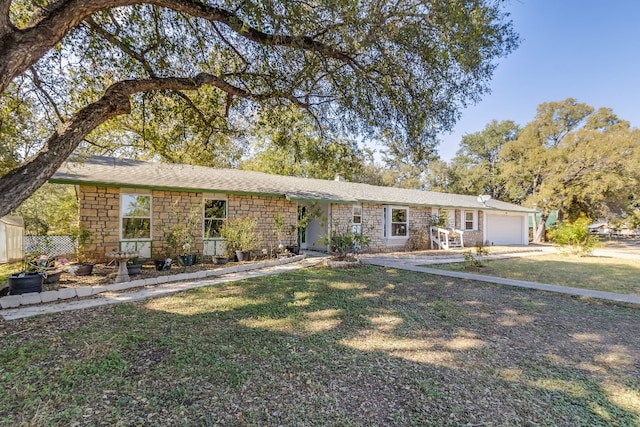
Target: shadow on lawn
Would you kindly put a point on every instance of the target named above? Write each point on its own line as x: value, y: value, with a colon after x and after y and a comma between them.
x: 366, y: 346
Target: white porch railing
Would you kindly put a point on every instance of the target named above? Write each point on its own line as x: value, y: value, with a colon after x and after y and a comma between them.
x: 446, y: 238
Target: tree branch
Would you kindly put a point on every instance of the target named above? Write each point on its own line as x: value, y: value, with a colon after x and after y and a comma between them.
x: 5, y: 22
x: 38, y: 84
x: 123, y: 46
x: 21, y: 48
x: 14, y: 188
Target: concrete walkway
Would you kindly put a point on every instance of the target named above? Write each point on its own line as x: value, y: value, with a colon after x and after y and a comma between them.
x: 403, y: 261
x: 151, y: 292
x: 413, y: 262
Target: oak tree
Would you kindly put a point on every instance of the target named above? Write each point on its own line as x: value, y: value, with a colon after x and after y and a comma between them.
x: 68, y: 67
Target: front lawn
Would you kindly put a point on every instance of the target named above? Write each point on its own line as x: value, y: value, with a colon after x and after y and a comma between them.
x: 360, y: 347
x: 597, y: 273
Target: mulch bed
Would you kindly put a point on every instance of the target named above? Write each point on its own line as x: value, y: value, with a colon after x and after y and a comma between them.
x: 104, y: 274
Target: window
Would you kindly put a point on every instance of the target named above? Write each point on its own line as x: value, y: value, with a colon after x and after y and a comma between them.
x: 470, y: 220
x: 135, y: 213
x: 215, y: 214
x: 357, y: 219
x: 399, y: 223
x: 395, y: 222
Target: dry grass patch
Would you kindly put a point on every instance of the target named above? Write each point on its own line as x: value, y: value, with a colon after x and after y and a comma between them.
x: 591, y: 272
x: 360, y: 347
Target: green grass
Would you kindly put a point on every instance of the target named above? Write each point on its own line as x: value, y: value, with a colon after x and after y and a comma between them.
x: 597, y: 273
x: 7, y: 269
x: 358, y: 347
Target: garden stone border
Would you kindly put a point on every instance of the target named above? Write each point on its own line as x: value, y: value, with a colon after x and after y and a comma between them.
x: 13, y: 301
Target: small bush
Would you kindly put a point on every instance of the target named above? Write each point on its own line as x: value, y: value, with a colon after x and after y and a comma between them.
x: 418, y: 240
x: 574, y: 237
x: 475, y: 260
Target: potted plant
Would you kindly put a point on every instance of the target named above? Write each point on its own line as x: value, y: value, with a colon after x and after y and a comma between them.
x: 84, y: 266
x: 134, y: 267
x: 219, y: 258
x: 241, y: 236
x: 46, y: 266
x: 180, y: 236
x: 284, y: 233
x: 29, y: 279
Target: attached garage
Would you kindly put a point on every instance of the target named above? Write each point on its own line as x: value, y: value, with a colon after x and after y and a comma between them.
x: 506, y: 229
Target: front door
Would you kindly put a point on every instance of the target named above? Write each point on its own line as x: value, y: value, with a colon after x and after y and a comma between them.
x: 302, y: 230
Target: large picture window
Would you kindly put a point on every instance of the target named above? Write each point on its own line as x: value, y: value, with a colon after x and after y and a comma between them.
x: 215, y: 214
x: 135, y: 213
x: 399, y: 222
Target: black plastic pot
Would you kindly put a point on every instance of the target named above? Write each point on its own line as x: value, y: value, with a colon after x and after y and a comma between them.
x: 187, y: 260
x: 134, y: 269
x: 294, y: 249
x: 23, y: 284
x: 220, y: 260
x: 243, y: 255
x: 52, y: 276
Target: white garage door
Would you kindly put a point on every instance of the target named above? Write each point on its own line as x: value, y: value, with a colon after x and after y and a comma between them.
x: 505, y: 230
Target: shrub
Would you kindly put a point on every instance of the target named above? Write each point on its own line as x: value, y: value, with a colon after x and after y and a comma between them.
x: 574, y: 237
x: 240, y: 234
x: 475, y: 260
x: 343, y: 241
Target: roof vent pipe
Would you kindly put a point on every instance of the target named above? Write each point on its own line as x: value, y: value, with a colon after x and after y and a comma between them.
x: 339, y: 177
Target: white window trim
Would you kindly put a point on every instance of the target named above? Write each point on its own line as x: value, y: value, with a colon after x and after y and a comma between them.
x: 135, y: 192
x: 451, y: 215
x: 463, y: 221
x: 356, y: 227
x: 387, y: 223
x: 213, y: 196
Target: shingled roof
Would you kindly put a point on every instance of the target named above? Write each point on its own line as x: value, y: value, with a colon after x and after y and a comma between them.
x: 112, y: 172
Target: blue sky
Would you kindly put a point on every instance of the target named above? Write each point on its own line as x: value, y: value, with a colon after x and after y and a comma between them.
x: 583, y: 49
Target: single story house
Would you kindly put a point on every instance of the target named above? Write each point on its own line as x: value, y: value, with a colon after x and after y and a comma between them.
x: 128, y: 205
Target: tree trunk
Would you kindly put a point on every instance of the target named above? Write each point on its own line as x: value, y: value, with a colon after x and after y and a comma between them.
x: 539, y: 232
x: 21, y: 182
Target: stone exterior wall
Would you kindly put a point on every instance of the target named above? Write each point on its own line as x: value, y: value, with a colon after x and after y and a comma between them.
x: 99, y: 214
x: 471, y: 238
x: 170, y: 208
x: 373, y: 223
x: 264, y: 208
x: 419, y: 228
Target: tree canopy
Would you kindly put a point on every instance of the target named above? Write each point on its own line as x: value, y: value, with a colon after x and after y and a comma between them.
x: 570, y: 158
x: 476, y: 169
x: 195, y: 71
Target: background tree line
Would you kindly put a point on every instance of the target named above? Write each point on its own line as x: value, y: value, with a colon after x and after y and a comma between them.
x: 570, y: 158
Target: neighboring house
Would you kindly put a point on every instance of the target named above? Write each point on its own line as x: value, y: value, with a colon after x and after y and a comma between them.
x: 601, y: 228
x: 128, y: 204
